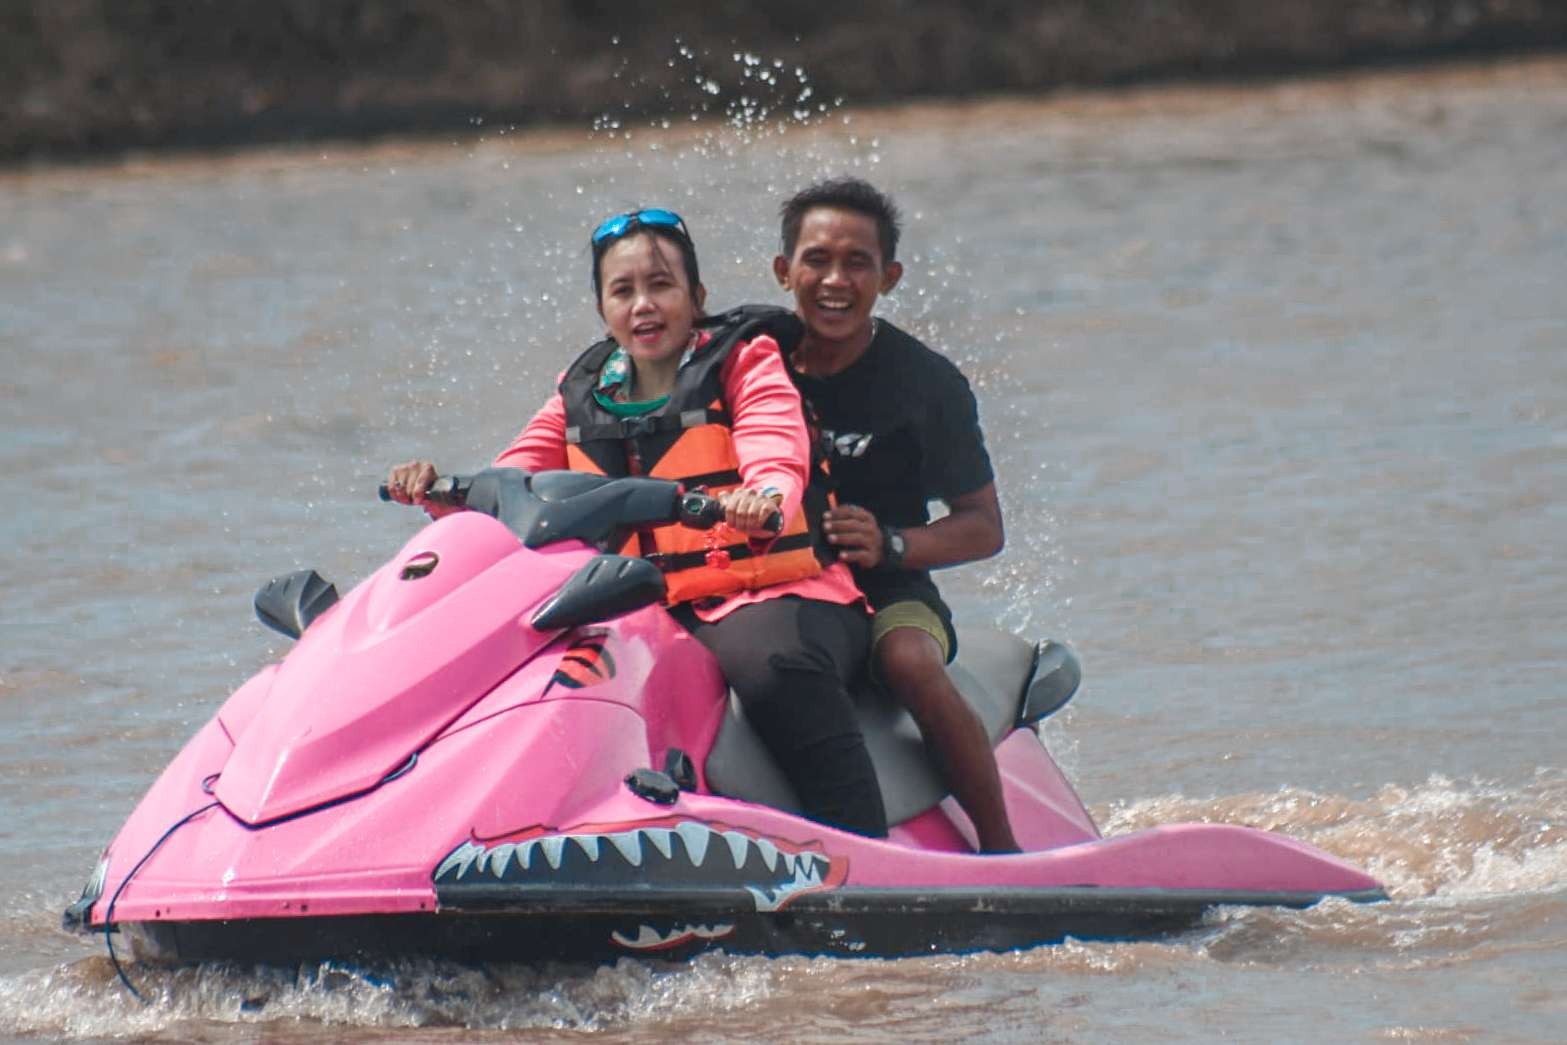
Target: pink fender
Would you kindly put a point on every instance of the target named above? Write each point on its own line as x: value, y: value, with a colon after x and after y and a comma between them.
x: 424, y: 648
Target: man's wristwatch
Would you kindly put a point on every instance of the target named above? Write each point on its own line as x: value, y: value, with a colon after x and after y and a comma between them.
x: 892, y: 548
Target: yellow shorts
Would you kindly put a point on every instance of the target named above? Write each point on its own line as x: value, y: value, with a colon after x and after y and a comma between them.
x: 910, y: 613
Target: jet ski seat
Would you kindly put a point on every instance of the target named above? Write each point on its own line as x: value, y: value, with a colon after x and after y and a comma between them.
x: 1008, y: 681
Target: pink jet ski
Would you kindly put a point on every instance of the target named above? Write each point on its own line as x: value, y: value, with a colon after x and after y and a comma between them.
x: 499, y: 746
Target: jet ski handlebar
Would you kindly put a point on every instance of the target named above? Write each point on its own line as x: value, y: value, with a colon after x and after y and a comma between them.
x: 700, y: 510
x: 449, y: 491
x: 696, y: 508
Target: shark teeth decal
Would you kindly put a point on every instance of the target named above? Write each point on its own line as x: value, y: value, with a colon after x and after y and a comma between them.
x: 456, y: 865
x: 651, y: 939
x: 806, y: 877
x: 695, y: 837
x: 629, y: 845
x: 681, y: 855
x: 589, y: 845
x: 660, y: 839
x: 739, y: 847
x: 500, y: 856
x: 769, y: 852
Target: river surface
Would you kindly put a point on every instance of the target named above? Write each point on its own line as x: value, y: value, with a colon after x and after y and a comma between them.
x: 1275, y: 380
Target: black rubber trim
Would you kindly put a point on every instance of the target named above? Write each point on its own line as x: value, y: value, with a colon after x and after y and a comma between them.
x: 697, y: 900
x: 691, y: 560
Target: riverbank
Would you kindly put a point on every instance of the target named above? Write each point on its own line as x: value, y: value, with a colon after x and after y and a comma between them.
x: 85, y: 78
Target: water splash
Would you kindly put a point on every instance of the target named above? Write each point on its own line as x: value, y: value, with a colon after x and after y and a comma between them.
x: 83, y: 1000
x: 1442, y: 838
x: 508, y: 299
x: 753, y: 95
x: 1475, y: 870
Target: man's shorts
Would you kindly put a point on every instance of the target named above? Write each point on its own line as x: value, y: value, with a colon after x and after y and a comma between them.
x: 912, y: 613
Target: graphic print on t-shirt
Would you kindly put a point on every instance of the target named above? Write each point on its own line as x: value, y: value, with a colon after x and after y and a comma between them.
x: 849, y: 444
x: 900, y: 427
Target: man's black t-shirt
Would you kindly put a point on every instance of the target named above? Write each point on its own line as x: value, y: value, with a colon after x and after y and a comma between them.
x: 900, y: 428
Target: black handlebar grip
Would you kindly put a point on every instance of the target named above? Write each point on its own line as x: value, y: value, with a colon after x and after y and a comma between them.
x: 700, y: 510
x: 444, y: 491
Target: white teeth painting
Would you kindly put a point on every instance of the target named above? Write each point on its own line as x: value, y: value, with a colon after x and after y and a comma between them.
x: 648, y: 938
x: 685, y: 856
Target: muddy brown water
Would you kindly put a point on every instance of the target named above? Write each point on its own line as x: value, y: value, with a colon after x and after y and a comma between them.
x: 1275, y: 379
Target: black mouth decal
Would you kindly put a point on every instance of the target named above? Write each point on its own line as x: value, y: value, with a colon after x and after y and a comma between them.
x: 648, y: 938
x: 681, y: 855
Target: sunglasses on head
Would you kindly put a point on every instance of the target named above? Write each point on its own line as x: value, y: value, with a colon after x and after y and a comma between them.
x: 621, y: 224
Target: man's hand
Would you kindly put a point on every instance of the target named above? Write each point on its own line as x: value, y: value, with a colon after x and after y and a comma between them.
x: 856, y: 534
x: 970, y: 531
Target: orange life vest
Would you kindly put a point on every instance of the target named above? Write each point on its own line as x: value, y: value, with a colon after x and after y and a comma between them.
x: 689, y: 440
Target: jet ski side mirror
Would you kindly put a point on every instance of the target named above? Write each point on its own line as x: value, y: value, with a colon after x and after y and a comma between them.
x: 1056, y: 677
x: 289, y: 603
x: 606, y: 586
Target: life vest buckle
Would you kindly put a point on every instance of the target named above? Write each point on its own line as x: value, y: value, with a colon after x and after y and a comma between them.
x: 637, y: 427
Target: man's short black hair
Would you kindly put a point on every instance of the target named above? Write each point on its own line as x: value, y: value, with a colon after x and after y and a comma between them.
x: 851, y: 194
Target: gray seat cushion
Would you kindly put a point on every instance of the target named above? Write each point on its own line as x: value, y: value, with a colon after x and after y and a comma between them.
x: 992, y: 672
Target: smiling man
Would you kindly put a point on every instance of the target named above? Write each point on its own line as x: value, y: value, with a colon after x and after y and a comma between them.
x: 900, y: 427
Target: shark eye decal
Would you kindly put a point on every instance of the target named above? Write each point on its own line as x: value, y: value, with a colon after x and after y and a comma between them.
x: 586, y: 663
x: 677, y: 856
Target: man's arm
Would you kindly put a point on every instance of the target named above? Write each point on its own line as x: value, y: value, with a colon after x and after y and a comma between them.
x: 970, y: 531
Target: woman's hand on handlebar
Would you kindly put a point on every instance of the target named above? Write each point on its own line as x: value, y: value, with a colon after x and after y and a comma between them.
x: 407, y: 482
x: 751, y: 512
x: 410, y: 482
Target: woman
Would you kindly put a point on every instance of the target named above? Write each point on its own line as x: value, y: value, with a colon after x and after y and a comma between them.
x: 715, y: 408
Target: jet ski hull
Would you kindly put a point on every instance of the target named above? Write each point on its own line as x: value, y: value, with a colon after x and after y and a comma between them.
x: 576, y: 928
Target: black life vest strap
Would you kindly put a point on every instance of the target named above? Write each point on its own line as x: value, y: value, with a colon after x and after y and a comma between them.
x: 747, y: 321
x: 639, y: 427
x: 674, y: 563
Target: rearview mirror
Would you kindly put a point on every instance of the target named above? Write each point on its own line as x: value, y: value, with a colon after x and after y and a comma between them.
x: 606, y: 586
x: 289, y: 603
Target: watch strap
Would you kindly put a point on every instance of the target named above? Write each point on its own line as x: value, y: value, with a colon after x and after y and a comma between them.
x: 892, y: 547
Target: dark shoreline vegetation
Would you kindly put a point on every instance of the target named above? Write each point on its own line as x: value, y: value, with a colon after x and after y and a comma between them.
x: 82, y: 79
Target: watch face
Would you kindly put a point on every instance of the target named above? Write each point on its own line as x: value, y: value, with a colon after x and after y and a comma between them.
x: 897, y: 544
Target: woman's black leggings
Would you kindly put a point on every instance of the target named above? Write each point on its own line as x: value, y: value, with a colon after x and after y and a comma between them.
x: 790, y: 661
